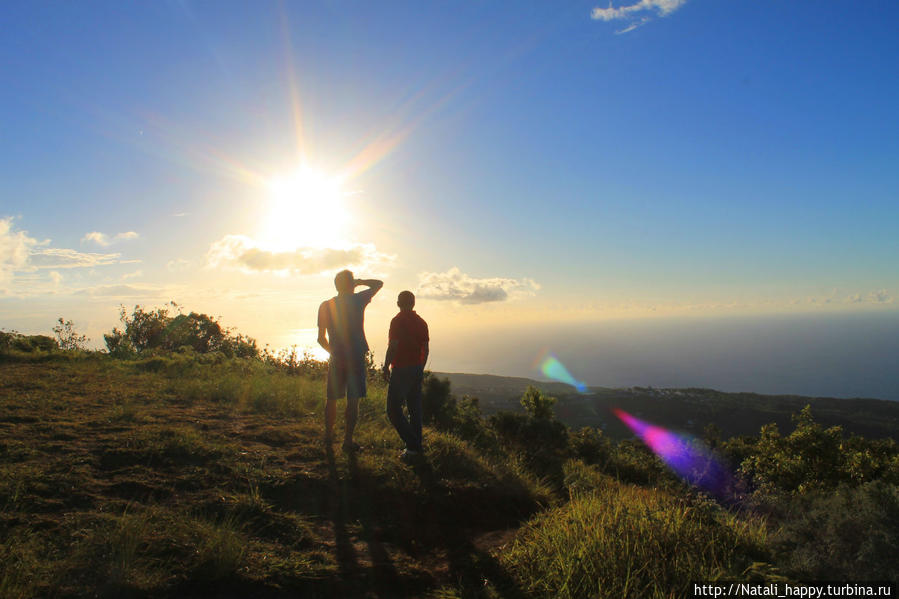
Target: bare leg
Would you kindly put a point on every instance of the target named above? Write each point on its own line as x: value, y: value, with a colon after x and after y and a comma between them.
x: 330, y: 417
x: 352, y: 413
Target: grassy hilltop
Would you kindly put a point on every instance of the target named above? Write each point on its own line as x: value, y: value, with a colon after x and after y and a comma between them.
x: 197, y: 474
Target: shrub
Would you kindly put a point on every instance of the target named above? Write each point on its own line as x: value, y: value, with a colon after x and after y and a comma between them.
x: 67, y: 337
x: 850, y: 533
x: 438, y: 406
x: 537, y: 435
x: 590, y: 445
x: 537, y: 405
x: 14, y: 341
x: 157, y: 330
x: 292, y: 362
x: 812, y: 457
x: 631, y: 461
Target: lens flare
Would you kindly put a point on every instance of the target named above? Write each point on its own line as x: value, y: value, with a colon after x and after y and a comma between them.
x: 687, y: 456
x: 552, y: 368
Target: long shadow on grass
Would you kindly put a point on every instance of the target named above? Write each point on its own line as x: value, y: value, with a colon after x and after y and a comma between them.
x: 435, y: 524
x: 470, y: 566
x: 347, y: 560
x: 383, y: 571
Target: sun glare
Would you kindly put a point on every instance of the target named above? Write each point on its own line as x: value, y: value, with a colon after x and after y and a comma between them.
x: 305, y: 209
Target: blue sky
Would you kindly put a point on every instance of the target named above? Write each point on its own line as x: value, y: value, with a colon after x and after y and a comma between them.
x: 512, y: 163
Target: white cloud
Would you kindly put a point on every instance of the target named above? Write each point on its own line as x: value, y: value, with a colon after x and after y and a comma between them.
x: 15, y: 249
x: 65, y: 258
x: 458, y: 286
x: 103, y: 240
x: 133, y: 275
x: 242, y: 253
x: 636, y: 13
x: 22, y: 257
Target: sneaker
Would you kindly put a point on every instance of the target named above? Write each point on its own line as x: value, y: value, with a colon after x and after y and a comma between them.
x: 351, y: 446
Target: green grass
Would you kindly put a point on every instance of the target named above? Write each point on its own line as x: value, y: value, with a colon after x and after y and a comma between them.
x: 181, y: 474
x: 170, y: 476
x: 618, y: 540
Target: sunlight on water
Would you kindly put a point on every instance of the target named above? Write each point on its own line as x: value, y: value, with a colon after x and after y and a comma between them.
x: 551, y: 367
x: 687, y: 456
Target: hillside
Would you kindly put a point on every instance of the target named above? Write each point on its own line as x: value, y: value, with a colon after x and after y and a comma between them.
x: 186, y: 475
x: 199, y: 479
x: 689, y: 410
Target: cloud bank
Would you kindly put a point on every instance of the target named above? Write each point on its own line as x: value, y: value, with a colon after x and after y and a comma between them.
x: 457, y: 286
x: 636, y: 14
x: 15, y: 249
x: 240, y: 252
x: 21, y: 254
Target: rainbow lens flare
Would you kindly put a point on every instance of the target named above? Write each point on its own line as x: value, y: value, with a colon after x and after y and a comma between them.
x: 552, y: 368
x: 687, y: 456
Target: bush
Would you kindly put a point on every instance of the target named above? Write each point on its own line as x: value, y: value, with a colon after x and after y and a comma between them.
x: 631, y: 461
x: 157, y: 330
x: 12, y: 340
x: 590, y: 445
x: 850, y: 533
x: 536, y: 435
x: 67, y: 337
x: 438, y: 406
x: 289, y: 360
x: 812, y: 457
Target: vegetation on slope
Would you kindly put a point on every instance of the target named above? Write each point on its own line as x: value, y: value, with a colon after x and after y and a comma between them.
x: 189, y: 472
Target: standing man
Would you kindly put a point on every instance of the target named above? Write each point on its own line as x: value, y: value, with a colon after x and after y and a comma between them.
x: 341, y: 317
x: 407, y: 353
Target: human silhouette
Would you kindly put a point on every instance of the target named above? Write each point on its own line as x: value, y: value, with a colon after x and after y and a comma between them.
x: 407, y: 354
x: 341, y: 333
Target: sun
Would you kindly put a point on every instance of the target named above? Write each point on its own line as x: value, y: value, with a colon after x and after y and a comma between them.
x: 305, y: 210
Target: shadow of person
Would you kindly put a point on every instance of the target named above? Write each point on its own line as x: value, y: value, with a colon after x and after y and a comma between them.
x: 470, y: 564
x: 383, y: 572
x: 347, y: 560
x: 425, y: 473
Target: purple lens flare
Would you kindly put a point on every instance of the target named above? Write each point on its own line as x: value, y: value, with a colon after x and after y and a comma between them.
x: 687, y: 456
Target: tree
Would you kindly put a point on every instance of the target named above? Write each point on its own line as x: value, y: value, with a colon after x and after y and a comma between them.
x: 538, y: 405
x: 157, y: 330
x: 67, y: 337
x: 438, y: 405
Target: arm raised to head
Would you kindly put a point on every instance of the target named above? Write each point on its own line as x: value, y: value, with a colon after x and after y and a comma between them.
x: 373, y: 284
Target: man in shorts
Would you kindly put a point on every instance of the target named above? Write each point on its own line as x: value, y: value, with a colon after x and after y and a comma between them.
x: 407, y: 353
x: 341, y: 333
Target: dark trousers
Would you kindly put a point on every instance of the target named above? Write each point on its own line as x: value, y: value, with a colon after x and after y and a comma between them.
x: 405, y: 388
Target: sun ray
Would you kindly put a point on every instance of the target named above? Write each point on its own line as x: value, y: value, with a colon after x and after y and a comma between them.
x: 295, y: 105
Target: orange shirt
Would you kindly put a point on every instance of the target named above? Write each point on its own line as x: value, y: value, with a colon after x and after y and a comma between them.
x: 411, y: 333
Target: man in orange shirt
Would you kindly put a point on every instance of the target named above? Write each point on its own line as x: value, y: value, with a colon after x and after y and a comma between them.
x: 407, y: 353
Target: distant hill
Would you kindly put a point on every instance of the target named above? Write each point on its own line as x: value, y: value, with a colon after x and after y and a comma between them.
x: 689, y: 410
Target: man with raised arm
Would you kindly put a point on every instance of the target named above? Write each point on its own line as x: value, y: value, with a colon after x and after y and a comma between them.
x: 407, y: 353
x: 341, y: 333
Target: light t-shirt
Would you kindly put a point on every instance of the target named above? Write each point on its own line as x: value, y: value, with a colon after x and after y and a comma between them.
x: 343, y: 317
